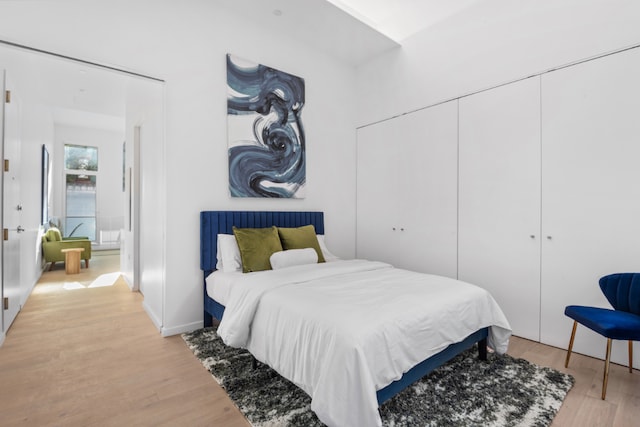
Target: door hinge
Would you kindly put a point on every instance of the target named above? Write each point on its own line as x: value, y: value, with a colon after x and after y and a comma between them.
x: 5, y: 303
x: 6, y: 165
x: 7, y: 96
x: 5, y: 233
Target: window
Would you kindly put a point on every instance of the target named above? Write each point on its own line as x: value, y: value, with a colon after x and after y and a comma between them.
x: 81, y: 167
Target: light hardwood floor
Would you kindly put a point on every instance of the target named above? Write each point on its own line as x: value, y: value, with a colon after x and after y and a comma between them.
x: 583, y: 405
x: 92, y: 357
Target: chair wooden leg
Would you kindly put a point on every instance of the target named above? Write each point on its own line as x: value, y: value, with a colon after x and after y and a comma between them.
x: 573, y: 335
x: 86, y: 263
x: 606, y: 369
x: 53, y: 264
x: 630, y: 357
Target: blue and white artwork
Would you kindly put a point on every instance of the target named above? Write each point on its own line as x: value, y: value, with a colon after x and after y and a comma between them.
x: 265, y: 135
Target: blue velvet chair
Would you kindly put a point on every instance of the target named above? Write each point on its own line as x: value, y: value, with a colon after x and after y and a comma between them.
x: 622, y: 323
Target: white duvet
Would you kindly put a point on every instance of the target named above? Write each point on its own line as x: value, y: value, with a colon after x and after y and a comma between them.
x: 343, y: 330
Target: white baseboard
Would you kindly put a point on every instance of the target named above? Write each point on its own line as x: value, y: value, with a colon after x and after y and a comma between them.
x: 1, y: 338
x: 176, y: 330
x: 129, y: 281
x: 157, y: 322
x: 167, y: 332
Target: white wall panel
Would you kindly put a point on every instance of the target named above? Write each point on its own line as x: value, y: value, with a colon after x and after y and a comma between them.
x: 499, y: 199
x: 591, y: 190
x: 407, y: 180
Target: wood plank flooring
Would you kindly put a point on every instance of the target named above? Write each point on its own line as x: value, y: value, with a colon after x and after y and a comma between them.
x: 92, y: 357
x: 583, y: 405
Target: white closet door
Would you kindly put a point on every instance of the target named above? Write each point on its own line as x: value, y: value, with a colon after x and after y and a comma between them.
x: 377, y: 197
x: 499, y: 199
x: 407, y: 180
x: 591, y: 190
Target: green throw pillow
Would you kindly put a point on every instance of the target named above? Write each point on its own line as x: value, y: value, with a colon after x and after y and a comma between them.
x: 256, y: 247
x: 300, y: 238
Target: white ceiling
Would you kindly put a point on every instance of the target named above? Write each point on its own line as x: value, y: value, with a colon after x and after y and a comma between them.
x: 354, y: 31
x: 316, y: 23
x: 399, y: 19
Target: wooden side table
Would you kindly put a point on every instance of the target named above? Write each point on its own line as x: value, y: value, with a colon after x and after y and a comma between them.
x: 72, y: 260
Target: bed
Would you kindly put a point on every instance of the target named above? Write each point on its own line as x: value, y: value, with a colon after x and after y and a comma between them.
x: 263, y: 308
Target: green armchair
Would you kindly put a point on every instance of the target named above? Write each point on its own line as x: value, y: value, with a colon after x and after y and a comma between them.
x: 53, y: 243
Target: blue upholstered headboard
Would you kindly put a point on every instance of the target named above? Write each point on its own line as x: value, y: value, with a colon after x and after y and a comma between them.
x: 213, y: 223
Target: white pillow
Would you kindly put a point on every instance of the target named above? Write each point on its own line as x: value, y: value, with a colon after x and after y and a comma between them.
x: 228, y: 257
x: 328, y: 256
x: 292, y: 257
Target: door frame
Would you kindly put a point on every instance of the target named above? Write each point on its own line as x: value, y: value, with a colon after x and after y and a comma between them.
x: 134, y: 172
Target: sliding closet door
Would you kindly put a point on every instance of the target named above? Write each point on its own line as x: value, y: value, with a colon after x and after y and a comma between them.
x: 591, y: 189
x: 499, y: 199
x: 406, y: 190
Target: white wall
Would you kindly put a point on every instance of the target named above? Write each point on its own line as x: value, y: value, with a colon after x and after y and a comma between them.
x: 145, y: 205
x: 144, y: 111
x: 492, y: 43
x: 185, y: 44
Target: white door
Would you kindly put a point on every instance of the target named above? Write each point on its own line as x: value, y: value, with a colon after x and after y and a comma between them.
x: 591, y: 190
x: 11, y: 207
x: 406, y: 187
x: 377, y: 192
x: 499, y: 199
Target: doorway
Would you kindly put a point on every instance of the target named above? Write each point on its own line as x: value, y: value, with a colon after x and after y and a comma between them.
x: 70, y: 101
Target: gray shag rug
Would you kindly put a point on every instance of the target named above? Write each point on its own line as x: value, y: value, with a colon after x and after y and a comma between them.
x: 502, y: 391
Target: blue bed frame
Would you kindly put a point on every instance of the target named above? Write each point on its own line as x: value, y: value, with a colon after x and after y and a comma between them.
x: 213, y: 223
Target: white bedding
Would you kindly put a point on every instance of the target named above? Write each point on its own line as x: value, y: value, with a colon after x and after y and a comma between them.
x: 219, y: 284
x: 343, y: 330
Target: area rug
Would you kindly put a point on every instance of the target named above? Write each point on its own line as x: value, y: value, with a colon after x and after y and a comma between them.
x: 502, y: 391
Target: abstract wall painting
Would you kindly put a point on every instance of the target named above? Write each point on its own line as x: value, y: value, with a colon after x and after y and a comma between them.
x: 266, y: 139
